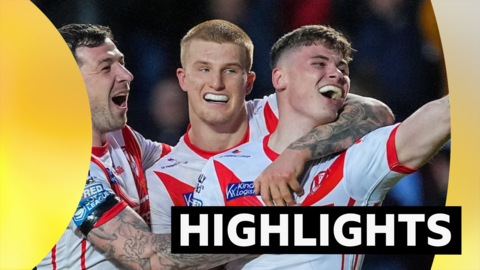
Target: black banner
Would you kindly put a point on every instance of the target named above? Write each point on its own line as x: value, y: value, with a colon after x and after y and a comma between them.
x: 317, y: 230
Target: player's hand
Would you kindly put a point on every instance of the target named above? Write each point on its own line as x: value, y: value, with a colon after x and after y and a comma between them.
x: 279, y: 179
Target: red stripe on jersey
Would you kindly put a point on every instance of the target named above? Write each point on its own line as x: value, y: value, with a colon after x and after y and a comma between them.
x: 134, y: 157
x: 110, y: 213
x: 225, y: 177
x: 176, y: 188
x: 84, y: 250
x: 54, y: 257
x: 343, y: 261
x: 392, y: 158
x: 116, y: 188
x: 272, y: 155
x: 208, y: 154
x: 351, y: 202
x: 166, y: 149
x: 100, y: 151
x: 376, y: 204
x: 329, y: 182
x: 271, y: 119
x: 355, y: 264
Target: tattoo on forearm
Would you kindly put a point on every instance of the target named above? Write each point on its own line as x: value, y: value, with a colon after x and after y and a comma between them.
x: 355, y: 121
x: 162, y: 244
x: 132, y: 243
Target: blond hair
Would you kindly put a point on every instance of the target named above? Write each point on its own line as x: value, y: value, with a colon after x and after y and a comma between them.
x: 218, y: 31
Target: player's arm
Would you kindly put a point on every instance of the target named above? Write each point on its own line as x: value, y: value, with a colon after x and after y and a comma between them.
x: 128, y: 239
x: 360, y: 115
x: 423, y: 133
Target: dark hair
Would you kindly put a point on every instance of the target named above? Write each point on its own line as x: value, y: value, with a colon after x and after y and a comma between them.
x: 308, y: 35
x: 84, y: 35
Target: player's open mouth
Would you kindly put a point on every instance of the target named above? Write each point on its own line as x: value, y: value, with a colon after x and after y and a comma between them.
x: 216, y: 98
x: 120, y: 100
x: 331, y: 92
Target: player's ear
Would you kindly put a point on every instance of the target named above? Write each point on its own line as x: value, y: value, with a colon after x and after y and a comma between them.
x: 278, y: 79
x: 250, y: 79
x: 181, y: 78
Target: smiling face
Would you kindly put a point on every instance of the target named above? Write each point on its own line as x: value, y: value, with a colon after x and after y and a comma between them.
x: 216, y: 80
x: 108, y: 84
x: 314, y: 81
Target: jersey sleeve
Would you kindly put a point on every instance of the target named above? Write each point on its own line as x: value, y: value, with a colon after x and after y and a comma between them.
x: 207, y: 190
x: 263, y: 115
x: 99, y: 202
x: 160, y: 204
x: 151, y: 151
x: 372, y: 165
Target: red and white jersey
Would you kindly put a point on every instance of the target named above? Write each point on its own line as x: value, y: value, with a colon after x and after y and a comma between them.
x: 116, y: 168
x: 360, y: 176
x: 172, y: 179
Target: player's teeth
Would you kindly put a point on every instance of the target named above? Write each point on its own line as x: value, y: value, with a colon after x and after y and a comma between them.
x: 337, y: 92
x: 216, y: 97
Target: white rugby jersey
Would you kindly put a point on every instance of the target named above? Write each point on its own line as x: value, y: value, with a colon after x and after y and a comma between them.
x: 116, y: 168
x: 172, y: 179
x: 359, y: 176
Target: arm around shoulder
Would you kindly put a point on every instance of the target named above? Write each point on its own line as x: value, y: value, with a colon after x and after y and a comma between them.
x: 360, y: 115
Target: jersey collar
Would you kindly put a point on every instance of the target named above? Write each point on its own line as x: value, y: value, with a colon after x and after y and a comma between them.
x: 100, y: 151
x: 208, y: 154
x: 272, y: 155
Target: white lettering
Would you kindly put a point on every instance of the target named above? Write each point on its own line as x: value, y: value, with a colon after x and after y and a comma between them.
x: 186, y: 229
x: 218, y: 228
x: 411, y: 220
x: 388, y: 229
x: 324, y: 230
x: 338, y: 230
x: 267, y: 229
x: 299, y: 240
x: 432, y: 226
x: 250, y: 232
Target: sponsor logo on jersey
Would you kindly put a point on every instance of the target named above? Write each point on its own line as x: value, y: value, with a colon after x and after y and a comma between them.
x: 199, y: 185
x: 92, y: 190
x: 131, y: 162
x: 201, y: 178
x: 234, y: 153
x: 197, y: 202
x: 317, y: 180
x: 90, y: 178
x: 79, y: 215
x: 92, y: 197
x: 238, y: 190
x: 119, y: 170
x: 113, y: 178
x: 188, y: 197
x: 174, y: 162
x: 190, y: 201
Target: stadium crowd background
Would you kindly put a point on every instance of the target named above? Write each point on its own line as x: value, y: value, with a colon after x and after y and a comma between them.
x: 399, y: 61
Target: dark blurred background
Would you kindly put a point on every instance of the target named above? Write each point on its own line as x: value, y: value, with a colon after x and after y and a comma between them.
x: 399, y: 60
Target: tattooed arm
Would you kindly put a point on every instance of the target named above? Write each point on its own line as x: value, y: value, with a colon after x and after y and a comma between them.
x: 127, y: 238
x: 360, y: 116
